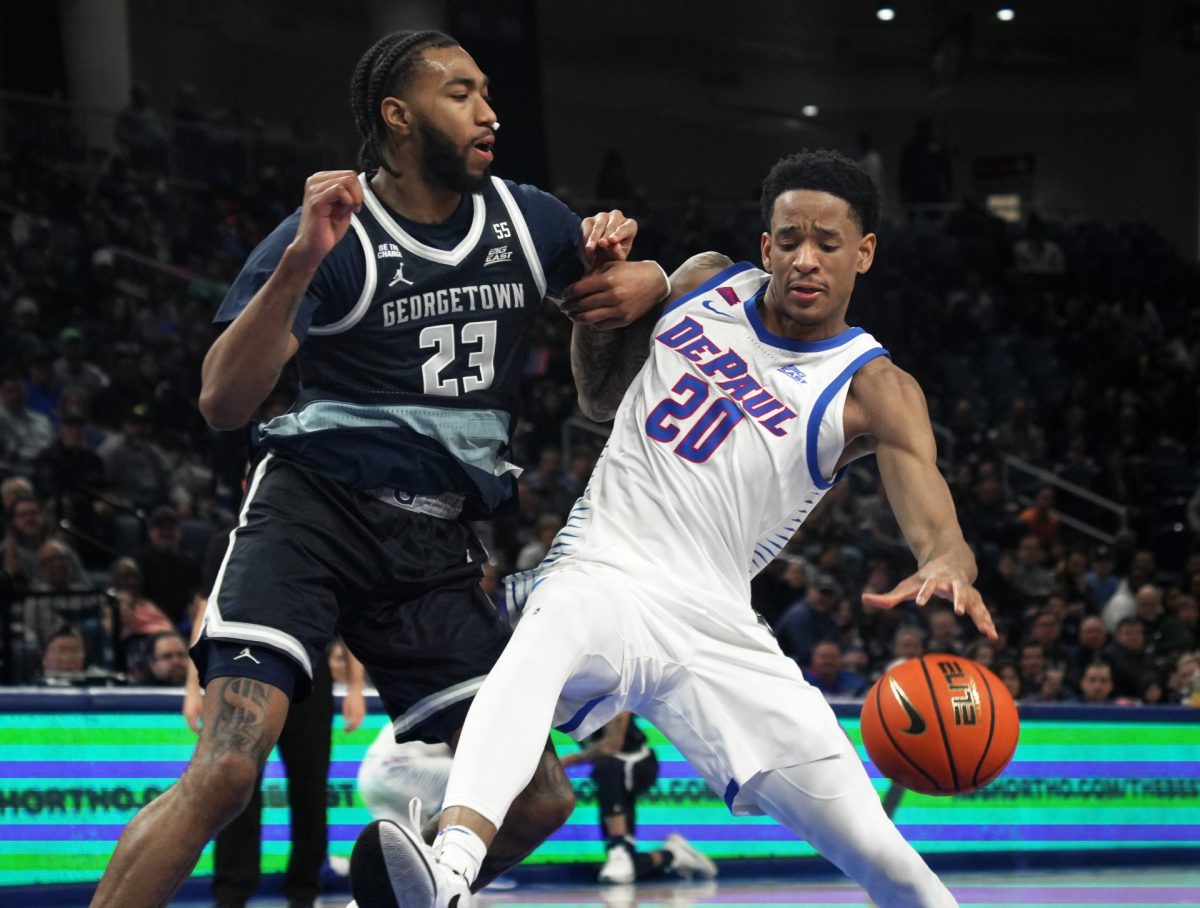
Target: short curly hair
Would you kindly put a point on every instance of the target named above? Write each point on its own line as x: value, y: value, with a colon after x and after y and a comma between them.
x: 824, y: 170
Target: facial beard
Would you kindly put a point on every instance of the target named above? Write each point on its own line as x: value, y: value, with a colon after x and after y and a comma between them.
x: 442, y: 164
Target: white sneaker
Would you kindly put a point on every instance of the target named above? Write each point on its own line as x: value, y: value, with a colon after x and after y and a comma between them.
x: 686, y: 860
x: 618, y: 868
x: 392, y: 866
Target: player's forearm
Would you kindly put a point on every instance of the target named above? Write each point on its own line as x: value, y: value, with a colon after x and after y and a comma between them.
x: 604, y: 363
x: 245, y: 362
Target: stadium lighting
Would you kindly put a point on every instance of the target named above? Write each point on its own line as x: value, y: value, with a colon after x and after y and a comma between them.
x: 885, y: 14
x: 1006, y: 14
x: 810, y: 110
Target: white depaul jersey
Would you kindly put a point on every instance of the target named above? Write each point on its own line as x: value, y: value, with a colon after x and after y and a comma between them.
x: 725, y: 442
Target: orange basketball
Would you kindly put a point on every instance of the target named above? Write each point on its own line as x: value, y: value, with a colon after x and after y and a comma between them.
x: 940, y: 725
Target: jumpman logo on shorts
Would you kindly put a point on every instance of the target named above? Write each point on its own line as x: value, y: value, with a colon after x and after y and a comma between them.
x: 245, y: 654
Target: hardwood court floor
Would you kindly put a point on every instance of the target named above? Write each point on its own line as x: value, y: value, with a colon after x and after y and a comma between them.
x: 1157, y: 887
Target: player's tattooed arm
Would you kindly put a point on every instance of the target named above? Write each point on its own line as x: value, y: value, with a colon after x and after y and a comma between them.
x: 604, y: 363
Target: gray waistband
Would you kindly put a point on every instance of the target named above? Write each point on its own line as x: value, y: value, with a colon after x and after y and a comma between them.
x: 447, y: 506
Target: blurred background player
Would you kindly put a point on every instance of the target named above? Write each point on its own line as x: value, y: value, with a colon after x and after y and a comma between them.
x: 624, y: 767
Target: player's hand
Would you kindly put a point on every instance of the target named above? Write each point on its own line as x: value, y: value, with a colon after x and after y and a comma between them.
x: 193, y: 708
x: 330, y: 198
x: 354, y: 710
x: 607, y: 237
x: 616, y: 294
x: 936, y: 579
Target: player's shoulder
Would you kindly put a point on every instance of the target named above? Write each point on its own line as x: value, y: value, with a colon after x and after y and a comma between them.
x: 882, y: 378
x: 531, y: 199
x: 881, y: 391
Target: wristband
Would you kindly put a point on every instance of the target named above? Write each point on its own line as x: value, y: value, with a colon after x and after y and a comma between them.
x: 666, y: 277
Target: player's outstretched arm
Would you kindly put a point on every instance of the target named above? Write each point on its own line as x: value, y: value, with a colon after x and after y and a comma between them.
x: 244, y: 363
x: 604, y: 362
x: 887, y: 403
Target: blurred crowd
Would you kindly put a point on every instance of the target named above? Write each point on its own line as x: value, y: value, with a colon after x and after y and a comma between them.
x: 1061, y: 363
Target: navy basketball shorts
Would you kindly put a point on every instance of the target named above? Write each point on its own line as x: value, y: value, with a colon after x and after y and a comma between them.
x: 311, y: 558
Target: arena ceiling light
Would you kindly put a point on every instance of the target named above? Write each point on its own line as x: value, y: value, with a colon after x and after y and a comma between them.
x: 885, y: 14
x: 810, y: 110
x: 1006, y: 14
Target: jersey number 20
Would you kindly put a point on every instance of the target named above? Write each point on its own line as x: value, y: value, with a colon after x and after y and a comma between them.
x: 445, y: 351
x: 706, y: 433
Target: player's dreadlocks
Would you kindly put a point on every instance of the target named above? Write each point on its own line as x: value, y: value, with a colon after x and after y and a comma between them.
x: 385, y: 70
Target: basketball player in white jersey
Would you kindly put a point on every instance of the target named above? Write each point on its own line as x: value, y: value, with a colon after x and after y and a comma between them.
x: 755, y: 396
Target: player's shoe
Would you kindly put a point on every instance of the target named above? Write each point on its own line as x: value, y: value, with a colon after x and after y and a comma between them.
x: 391, y: 866
x: 686, y: 860
x: 619, y: 866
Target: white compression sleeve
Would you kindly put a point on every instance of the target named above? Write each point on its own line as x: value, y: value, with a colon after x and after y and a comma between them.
x: 846, y: 823
x: 505, y: 731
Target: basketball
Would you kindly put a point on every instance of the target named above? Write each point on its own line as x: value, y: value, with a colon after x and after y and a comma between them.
x: 940, y: 725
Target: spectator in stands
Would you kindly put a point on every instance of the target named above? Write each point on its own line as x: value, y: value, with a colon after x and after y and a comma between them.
x: 1040, y: 521
x: 1131, y: 667
x: 970, y: 437
x: 1183, y: 681
x: 166, y: 659
x: 983, y: 651
x: 1011, y: 677
x: 1180, y: 628
x: 1148, y: 609
x: 135, y: 469
x: 826, y: 673
x: 1096, y: 685
x: 777, y: 586
x: 907, y: 643
x: 1088, y: 647
x: 989, y: 520
x: 140, y: 617
x: 1146, y: 599
x: 63, y: 654
x: 810, y: 619
x: 27, y: 533
x: 25, y: 336
x: 1031, y: 578
x: 58, y: 598
x: 72, y: 370
x: 170, y: 577
x: 1071, y: 578
x: 41, y: 389
x: 1101, y: 581
x: 1032, y: 665
x: 945, y: 636
x: 69, y: 475
x: 12, y: 490
x: 535, y: 549
x: 1019, y: 435
x: 23, y: 433
x: 1046, y: 631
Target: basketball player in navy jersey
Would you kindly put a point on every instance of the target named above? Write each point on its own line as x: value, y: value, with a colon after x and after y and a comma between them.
x: 755, y: 396
x: 405, y: 295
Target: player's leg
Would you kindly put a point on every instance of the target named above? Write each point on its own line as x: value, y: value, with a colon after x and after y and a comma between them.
x: 161, y: 844
x: 561, y: 639
x: 269, y: 618
x: 502, y: 761
x: 831, y: 804
x: 540, y: 808
x: 237, y: 854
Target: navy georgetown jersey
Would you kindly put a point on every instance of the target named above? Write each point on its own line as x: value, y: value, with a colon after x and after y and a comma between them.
x: 413, y: 338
